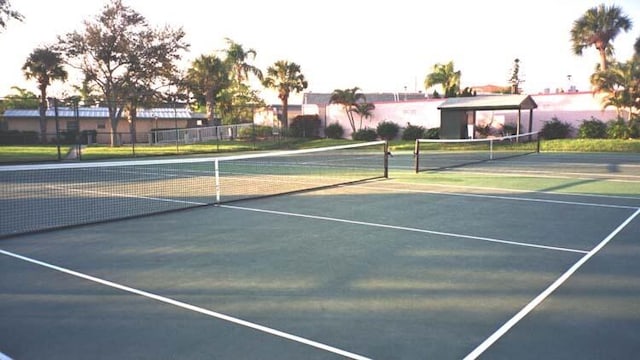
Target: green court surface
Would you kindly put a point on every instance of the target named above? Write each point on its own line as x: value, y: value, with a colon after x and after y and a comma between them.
x: 534, y: 257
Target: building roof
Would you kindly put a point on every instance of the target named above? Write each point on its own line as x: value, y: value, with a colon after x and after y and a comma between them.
x: 489, y: 102
x: 103, y: 113
x: 323, y: 98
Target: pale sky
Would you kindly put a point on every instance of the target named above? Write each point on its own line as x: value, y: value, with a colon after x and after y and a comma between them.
x: 378, y: 46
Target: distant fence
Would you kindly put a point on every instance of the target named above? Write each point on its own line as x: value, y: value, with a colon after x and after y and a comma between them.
x: 199, y: 134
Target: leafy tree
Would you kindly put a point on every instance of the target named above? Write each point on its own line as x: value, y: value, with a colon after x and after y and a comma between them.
x: 620, y: 84
x: 6, y: 13
x: 365, y: 110
x: 237, y: 103
x: 598, y: 27
x: 124, y: 57
x: 636, y: 47
x: 285, y: 77
x: 349, y: 99
x: 207, y: 77
x: 446, y: 76
x: 44, y: 65
x: 24, y: 99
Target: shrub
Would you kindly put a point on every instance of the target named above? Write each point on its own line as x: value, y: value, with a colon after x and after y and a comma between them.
x: 555, y: 129
x: 620, y: 129
x: 484, y: 130
x: 305, y: 126
x: 256, y: 132
x: 412, y: 132
x: 365, y: 135
x: 14, y: 137
x: 334, y: 131
x: 387, y: 130
x: 592, y: 129
x: 433, y: 133
x: 508, y: 129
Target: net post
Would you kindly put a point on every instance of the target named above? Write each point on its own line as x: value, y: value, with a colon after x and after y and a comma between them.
x: 491, y: 149
x: 386, y: 159
x: 216, y: 171
x: 416, y: 156
x: 537, y: 143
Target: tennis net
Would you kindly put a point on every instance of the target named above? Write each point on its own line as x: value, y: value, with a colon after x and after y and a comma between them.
x: 48, y: 196
x: 439, y: 154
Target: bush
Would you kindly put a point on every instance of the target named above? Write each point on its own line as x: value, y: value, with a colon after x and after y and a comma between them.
x: 592, y: 129
x: 14, y: 137
x: 387, y: 130
x: 334, y: 131
x: 305, y: 126
x: 412, y: 132
x: 508, y: 129
x: 365, y: 135
x: 555, y: 129
x: 433, y: 133
x: 620, y: 129
x: 255, y: 132
x: 484, y: 130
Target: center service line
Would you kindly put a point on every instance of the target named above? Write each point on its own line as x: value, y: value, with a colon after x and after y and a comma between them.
x: 394, y: 227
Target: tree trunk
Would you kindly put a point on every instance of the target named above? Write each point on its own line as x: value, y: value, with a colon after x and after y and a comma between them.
x: 211, y: 114
x: 285, y: 112
x: 603, y: 60
x: 43, y: 115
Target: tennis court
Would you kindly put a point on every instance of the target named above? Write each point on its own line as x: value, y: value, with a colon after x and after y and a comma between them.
x: 534, y: 256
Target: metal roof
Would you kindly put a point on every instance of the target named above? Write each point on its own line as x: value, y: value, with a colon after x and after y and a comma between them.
x: 103, y: 113
x: 489, y: 102
x: 323, y: 98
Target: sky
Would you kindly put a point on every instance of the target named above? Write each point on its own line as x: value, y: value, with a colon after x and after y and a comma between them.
x: 378, y: 46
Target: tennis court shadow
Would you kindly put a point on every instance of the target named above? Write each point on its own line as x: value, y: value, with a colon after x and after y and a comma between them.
x: 613, y: 168
x: 571, y: 184
x: 320, y: 265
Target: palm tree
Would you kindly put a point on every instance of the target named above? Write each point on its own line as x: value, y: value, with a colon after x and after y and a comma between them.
x: 365, y: 110
x: 349, y: 99
x: 598, y: 27
x: 620, y: 84
x: 206, y: 79
x: 285, y: 77
x: 446, y: 76
x: 44, y: 65
x: 238, y: 59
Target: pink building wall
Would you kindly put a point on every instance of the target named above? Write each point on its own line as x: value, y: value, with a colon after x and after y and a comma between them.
x: 572, y: 108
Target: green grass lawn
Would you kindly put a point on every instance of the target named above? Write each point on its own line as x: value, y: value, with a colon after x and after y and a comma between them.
x: 36, y: 153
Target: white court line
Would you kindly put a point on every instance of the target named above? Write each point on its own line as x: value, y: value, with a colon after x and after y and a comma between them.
x: 540, y: 298
x: 538, y: 192
x: 479, y: 238
x: 190, y: 307
x: 128, y: 196
x: 501, y: 197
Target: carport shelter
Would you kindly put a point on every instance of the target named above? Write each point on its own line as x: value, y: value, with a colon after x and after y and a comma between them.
x: 458, y: 115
